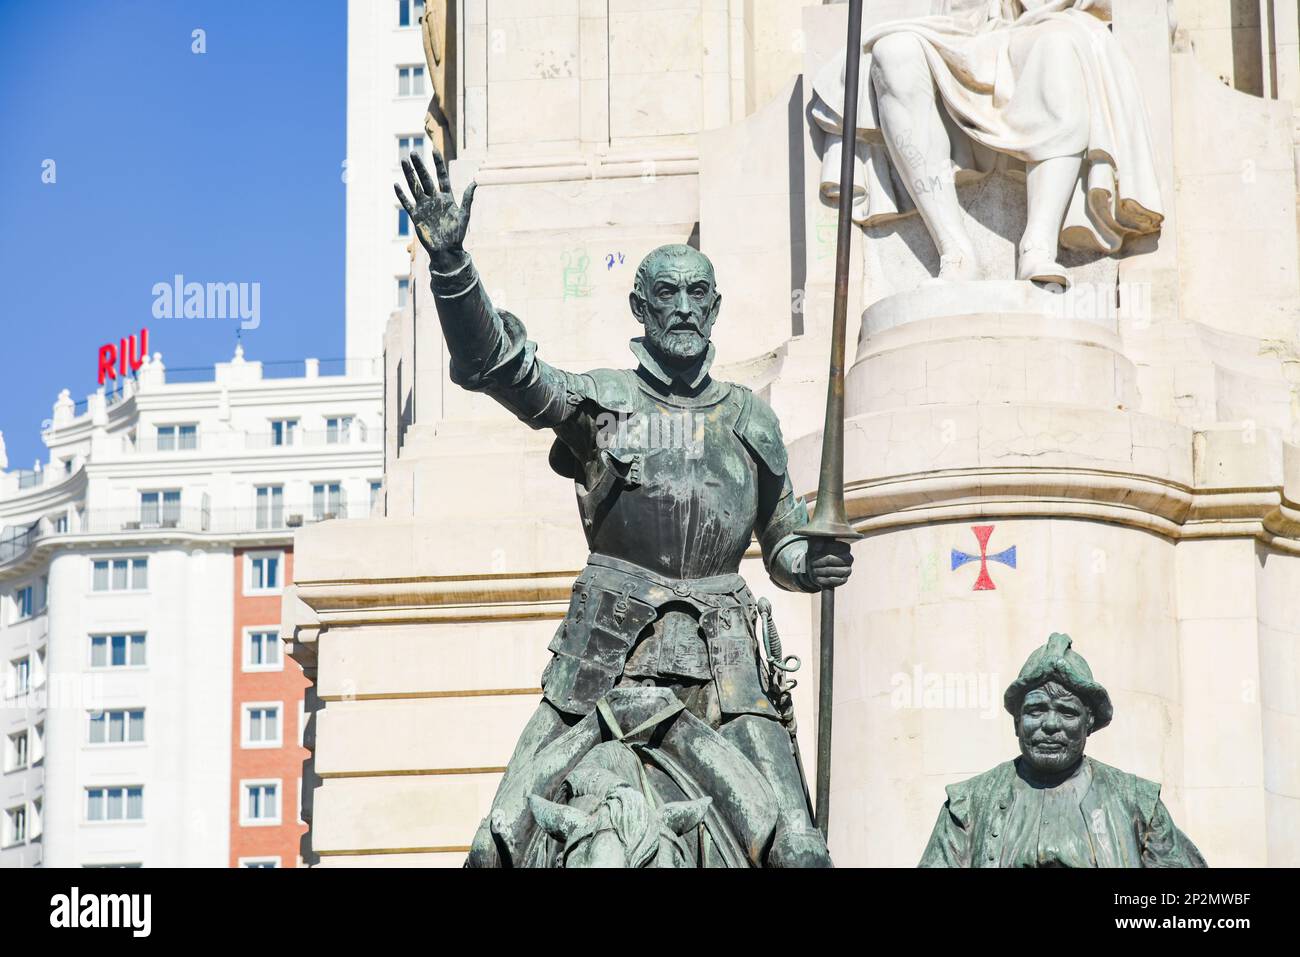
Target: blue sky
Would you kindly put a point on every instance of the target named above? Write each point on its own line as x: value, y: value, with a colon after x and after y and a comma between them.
x: 224, y: 166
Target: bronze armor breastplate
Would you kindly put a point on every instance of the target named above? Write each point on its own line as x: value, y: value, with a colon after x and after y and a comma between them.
x: 678, y: 492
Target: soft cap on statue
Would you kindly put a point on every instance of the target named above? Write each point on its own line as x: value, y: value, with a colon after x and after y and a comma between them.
x: 1057, y: 661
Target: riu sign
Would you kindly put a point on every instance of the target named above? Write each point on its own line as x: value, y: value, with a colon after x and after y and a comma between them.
x: 115, y: 360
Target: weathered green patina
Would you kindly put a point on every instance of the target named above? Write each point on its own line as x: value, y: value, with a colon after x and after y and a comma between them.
x: 1052, y: 806
x: 675, y: 473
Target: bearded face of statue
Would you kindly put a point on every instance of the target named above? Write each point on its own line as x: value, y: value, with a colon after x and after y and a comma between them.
x: 676, y: 300
x: 1053, y: 728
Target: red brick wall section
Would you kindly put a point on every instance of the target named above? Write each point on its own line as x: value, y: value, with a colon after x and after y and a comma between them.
x: 284, y: 762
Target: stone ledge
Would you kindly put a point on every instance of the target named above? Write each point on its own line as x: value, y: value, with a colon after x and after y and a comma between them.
x: 1010, y: 302
x: 1174, y: 511
x: 575, y: 165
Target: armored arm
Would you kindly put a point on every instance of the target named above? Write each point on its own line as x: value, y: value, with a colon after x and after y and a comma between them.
x: 490, y: 351
x: 780, y: 512
x: 785, y: 553
x: 793, y: 561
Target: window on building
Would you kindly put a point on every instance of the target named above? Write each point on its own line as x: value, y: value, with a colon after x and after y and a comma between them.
x: 16, y: 752
x: 115, y: 804
x: 20, y: 676
x: 117, y: 651
x: 403, y: 223
x: 160, y: 508
x: 262, y: 725
x: 24, y: 602
x: 338, y: 430
x: 261, y: 804
x: 16, y: 825
x: 409, y: 12
x: 172, y: 438
x: 270, y: 506
x: 116, y: 727
x: 283, y: 431
x: 262, y: 650
x: 403, y: 291
x: 264, y: 572
x: 121, y: 574
x: 406, y: 145
x: 376, y: 493
x: 61, y: 524
x: 410, y: 80
x: 326, y: 500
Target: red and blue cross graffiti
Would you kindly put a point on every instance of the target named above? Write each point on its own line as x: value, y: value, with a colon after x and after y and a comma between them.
x: 1007, y: 557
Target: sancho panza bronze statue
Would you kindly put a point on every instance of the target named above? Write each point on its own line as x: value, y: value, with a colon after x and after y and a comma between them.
x: 660, y: 604
x: 1053, y: 807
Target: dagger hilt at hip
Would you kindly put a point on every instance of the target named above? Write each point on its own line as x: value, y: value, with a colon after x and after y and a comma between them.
x: 772, y: 641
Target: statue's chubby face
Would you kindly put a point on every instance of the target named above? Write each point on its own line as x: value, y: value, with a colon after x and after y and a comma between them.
x: 1053, y: 728
x: 677, y: 301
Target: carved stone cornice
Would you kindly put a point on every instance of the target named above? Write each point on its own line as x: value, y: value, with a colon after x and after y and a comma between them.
x: 464, y: 598
x: 1167, y: 508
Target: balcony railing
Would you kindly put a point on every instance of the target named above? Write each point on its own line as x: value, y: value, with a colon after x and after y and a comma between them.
x: 147, y: 445
x: 356, y: 434
x: 215, y: 442
x: 16, y: 543
x: 218, y: 520
x: 17, y: 481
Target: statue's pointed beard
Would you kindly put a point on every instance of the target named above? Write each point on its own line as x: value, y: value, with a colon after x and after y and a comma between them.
x: 679, y: 344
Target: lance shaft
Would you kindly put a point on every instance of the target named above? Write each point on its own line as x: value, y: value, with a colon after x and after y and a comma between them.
x: 829, y: 519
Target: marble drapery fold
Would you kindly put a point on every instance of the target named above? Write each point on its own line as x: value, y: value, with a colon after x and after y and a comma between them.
x: 1006, y: 94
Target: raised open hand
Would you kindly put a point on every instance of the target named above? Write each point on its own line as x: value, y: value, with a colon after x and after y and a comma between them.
x: 439, y: 222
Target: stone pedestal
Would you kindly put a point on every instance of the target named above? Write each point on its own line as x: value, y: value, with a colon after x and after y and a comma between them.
x: 1009, y: 485
x: 1119, y: 463
x: 954, y: 344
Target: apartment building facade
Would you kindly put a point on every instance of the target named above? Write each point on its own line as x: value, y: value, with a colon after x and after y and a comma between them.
x: 150, y: 717
x: 391, y: 88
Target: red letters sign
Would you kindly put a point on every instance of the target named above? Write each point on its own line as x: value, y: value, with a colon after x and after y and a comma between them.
x: 116, y: 359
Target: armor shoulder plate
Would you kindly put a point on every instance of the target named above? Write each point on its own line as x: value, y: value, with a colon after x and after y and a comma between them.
x: 611, y: 389
x: 758, y: 427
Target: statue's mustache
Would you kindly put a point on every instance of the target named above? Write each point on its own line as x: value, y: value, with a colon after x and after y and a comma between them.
x: 1041, y: 738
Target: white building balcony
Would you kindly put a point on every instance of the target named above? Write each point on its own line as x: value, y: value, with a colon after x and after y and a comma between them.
x: 143, y: 524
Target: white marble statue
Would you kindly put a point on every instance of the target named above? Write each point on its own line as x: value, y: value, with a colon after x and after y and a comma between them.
x: 1042, y: 82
